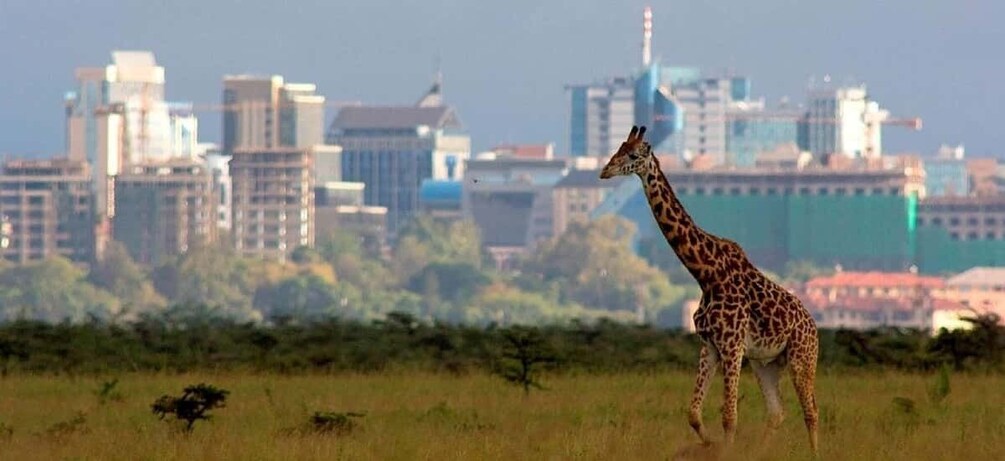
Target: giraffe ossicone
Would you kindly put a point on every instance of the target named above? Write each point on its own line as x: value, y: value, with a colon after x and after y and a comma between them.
x: 742, y: 313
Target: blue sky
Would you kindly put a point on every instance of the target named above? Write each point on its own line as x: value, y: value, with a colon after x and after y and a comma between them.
x: 505, y: 63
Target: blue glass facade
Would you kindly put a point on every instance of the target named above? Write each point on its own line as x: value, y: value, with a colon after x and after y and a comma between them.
x: 655, y: 107
x: 392, y: 178
x: 946, y: 177
x: 746, y: 137
x: 577, y: 128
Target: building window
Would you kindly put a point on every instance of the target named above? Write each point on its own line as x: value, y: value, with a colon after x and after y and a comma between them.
x: 954, y: 235
x: 954, y: 221
x: 990, y: 221
x: 991, y: 236
x: 936, y: 221
x: 972, y: 221
x: 822, y: 191
x: 972, y: 236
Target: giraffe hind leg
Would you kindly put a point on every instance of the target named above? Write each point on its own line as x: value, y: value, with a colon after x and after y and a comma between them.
x: 768, y: 377
x: 803, y: 361
x: 708, y: 362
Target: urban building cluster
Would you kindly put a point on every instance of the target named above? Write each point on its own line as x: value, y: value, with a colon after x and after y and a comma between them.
x: 798, y: 182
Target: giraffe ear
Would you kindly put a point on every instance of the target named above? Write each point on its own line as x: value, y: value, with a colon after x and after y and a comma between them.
x: 631, y: 134
x: 642, y: 132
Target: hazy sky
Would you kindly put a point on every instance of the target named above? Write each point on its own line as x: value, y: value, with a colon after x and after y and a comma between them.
x: 505, y: 62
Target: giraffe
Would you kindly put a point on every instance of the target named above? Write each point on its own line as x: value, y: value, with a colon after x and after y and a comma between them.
x: 741, y: 314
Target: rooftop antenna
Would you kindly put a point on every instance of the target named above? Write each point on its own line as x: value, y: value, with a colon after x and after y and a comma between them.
x: 647, y: 36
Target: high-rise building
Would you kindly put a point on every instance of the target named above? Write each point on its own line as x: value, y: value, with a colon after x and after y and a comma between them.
x: 752, y: 130
x: 164, y: 209
x: 266, y: 112
x: 273, y: 201
x: 510, y: 200
x: 601, y: 114
x: 844, y: 121
x: 118, y: 116
x: 946, y: 174
x: 392, y: 149
x: 219, y: 167
x: 46, y: 210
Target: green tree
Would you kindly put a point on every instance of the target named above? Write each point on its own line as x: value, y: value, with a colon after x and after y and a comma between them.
x: 354, y: 262
x: 213, y: 275
x: 304, y: 298
x: 451, y: 282
x: 118, y: 274
x: 53, y: 290
x: 593, y: 265
x: 426, y: 240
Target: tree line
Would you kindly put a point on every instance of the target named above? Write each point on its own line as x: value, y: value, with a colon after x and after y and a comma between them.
x: 437, y: 271
x: 184, y: 339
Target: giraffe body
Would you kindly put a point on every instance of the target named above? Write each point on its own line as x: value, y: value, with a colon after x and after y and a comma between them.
x: 742, y: 313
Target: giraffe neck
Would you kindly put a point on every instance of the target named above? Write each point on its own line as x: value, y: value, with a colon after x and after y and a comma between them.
x: 689, y: 242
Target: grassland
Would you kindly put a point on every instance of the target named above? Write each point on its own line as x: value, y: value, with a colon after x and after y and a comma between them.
x: 437, y: 416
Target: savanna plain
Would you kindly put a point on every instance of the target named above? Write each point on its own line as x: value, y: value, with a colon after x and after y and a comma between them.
x: 405, y: 415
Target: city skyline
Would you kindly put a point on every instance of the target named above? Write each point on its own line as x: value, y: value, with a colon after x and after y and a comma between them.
x: 512, y: 93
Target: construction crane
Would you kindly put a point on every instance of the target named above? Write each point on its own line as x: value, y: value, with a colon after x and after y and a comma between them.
x: 914, y: 123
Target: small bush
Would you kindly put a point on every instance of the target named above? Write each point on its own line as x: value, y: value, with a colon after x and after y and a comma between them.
x: 330, y: 422
x: 523, y: 353
x: 6, y: 431
x: 108, y: 392
x: 193, y: 405
x: 940, y: 388
x: 77, y: 424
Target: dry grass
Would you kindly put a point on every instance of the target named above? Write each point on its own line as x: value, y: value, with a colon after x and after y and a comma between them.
x: 424, y: 416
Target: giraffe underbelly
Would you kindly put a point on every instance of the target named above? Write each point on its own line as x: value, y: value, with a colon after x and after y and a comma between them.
x: 762, y: 348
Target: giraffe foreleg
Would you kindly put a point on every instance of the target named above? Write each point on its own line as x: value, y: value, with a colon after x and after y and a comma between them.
x: 731, y: 377
x: 708, y: 362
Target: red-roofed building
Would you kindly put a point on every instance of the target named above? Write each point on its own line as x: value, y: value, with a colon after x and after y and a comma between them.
x: 864, y: 300
x: 875, y: 285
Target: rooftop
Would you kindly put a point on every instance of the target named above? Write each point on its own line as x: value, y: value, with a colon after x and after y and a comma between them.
x: 587, y: 178
x: 390, y: 117
x: 876, y: 280
x: 979, y: 276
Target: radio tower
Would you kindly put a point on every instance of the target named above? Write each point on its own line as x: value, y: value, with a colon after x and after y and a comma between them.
x: 647, y: 36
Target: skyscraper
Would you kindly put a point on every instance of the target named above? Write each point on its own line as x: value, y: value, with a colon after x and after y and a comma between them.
x: 392, y: 149
x: 164, y: 208
x: 844, y: 121
x: 46, y: 210
x: 266, y: 112
x: 600, y: 115
x: 118, y: 116
x: 273, y: 201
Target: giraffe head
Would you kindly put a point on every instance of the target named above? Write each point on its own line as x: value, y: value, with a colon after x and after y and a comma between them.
x: 631, y: 158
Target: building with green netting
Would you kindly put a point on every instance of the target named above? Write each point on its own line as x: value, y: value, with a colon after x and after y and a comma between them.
x: 861, y: 220
x: 957, y: 233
